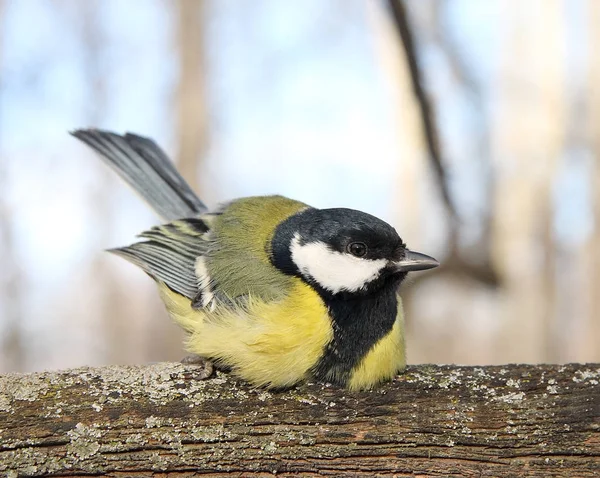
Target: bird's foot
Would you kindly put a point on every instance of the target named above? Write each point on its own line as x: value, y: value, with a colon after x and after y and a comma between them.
x: 205, y: 366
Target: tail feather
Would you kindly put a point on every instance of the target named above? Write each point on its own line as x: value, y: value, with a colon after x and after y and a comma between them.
x: 147, y: 169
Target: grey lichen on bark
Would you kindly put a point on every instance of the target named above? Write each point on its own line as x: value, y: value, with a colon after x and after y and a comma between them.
x: 514, y: 420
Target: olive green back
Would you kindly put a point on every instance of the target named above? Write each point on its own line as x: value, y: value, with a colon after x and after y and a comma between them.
x: 239, y: 259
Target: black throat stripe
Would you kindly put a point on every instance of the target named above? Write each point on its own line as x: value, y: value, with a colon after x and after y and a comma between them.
x: 358, y: 324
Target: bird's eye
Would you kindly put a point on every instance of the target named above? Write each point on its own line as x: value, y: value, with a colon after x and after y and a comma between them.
x: 357, y: 249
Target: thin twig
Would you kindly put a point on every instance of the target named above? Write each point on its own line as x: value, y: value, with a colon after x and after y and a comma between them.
x: 431, y: 136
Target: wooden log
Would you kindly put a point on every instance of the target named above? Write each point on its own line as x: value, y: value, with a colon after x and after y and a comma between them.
x: 160, y: 420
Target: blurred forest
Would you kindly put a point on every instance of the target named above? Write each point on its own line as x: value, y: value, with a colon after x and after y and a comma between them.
x: 471, y: 126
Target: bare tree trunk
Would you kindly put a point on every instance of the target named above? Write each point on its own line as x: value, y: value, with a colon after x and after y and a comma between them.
x: 591, y: 255
x: 11, y: 277
x: 161, y: 420
x: 192, y: 117
x: 11, y: 286
x: 528, y: 140
x: 592, y: 329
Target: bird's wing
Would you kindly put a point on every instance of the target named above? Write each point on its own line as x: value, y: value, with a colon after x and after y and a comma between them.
x: 170, y: 253
x: 220, y: 257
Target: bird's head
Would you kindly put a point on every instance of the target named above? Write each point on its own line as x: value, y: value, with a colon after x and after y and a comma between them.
x: 343, y: 251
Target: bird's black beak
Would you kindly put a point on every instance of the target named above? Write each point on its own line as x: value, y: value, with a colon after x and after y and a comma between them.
x: 414, y: 261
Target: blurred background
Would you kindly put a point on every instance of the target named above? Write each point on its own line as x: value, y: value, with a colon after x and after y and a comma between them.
x: 472, y: 126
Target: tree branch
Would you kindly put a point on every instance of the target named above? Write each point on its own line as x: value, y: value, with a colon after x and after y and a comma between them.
x: 401, y: 20
x: 481, y: 270
x: 517, y: 420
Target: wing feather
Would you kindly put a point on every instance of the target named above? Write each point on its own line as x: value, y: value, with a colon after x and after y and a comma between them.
x: 170, y: 253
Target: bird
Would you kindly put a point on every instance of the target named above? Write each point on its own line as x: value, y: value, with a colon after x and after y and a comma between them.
x: 270, y: 289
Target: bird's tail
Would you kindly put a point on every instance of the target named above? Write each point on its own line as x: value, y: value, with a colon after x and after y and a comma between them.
x: 147, y: 169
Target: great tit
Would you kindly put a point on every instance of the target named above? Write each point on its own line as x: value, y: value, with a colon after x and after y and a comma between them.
x: 274, y: 290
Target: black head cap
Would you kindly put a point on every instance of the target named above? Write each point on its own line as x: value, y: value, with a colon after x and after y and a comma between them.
x: 342, y: 250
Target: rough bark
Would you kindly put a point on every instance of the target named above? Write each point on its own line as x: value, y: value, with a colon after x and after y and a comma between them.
x: 159, y: 420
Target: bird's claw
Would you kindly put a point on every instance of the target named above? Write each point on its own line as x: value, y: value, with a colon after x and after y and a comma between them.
x: 205, y: 366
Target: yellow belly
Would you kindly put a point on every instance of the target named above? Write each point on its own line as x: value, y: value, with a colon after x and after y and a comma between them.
x: 276, y: 344
x: 273, y: 344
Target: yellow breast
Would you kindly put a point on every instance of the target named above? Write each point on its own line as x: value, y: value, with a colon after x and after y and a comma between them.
x: 273, y: 344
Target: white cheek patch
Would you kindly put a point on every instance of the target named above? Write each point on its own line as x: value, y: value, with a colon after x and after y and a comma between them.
x: 334, y: 271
